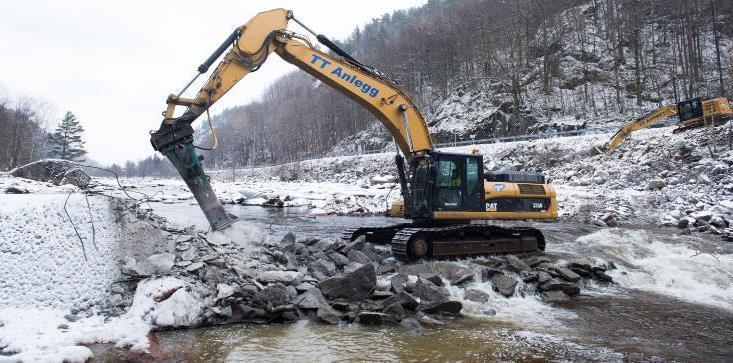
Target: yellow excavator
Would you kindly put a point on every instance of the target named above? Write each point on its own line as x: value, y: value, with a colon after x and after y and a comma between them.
x: 447, y: 196
x: 692, y: 113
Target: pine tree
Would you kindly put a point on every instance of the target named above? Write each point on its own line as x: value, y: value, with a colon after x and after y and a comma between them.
x: 65, y: 142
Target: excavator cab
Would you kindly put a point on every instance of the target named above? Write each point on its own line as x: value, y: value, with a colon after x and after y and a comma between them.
x: 690, y: 109
x: 446, y: 182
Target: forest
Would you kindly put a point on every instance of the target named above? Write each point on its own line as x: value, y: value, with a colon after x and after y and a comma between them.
x: 505, y: 67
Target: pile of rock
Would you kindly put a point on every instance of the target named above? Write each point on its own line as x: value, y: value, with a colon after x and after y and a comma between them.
x: 56, y: 171
x: 337, y: 282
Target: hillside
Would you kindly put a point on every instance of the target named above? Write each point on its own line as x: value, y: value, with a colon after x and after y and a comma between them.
x: 495, y: 68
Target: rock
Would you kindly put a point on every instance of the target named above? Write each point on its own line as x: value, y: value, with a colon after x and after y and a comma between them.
x: 602, y: 276
x: 476, y: 296
x: 356, y: 285
x: 224, y: 312
x: 656, y: 184
x: 288, y: 239
x: 441, y: 307
x: 531, y: 277
x: 534, y: 261
x: 488, y: 272
x: 429, y: 320
x: 381, y: 294
x: 704, y: 216
x: 329, y: 315
x: 516, y: 265
x: 386, y: 267
x: 338, y: 259
x: 358, y: 256
x: 435, y: 279
x: 396, y: 311
x: 412, y: 326
x: 272, y: 295
x: 371, y: 318
x: 403, y: 298
x: 582, y: 264
x: 77, y: 177
x: 567, y: 274
x: 304, y: 286
x: 283, y: 277
x: 224, y: 291
x: 555, y: 284
x: 55, y: 171
x: 194, y: 266
x: 352, y: 266
x: 312, y: 299
x: 63, y: 326
x: 543, y: 277
x: 159, y: 263
x: 398, y: 282
x: 718, y: 222
x: 610, y: 220
x: 323, y: 268
x: 685, y: 222
x: 505, y: 285
x: 241, y: 312
x: 428, y: 292
x: 183, y: 246
x: 555, y: 295
x: 14, y: 190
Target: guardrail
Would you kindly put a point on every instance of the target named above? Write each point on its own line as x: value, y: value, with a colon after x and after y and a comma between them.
x: 493, y: 140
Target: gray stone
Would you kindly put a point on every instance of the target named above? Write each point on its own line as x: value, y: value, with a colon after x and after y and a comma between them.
x: 224, y: 291
x: 441, y: 307
x: 655, y: 184
x: 412, y: 325
x: 284, y: 277
x: 312, y: 299
x: 428, y: 292
x: 487, y: 273
x: 403, y: 298
x: 516, y: 265
x: 398, y: 282
x: 225, y: 312
x: 555, y: 295
x: 326, y: 268
x: 353, y: 286
x: 371, y: 318
x: 194, y: 266
x: 338, y: 259
x: 329, y: 315
x: 183, y: 246
x: 543, y: 277
x: 63, y: 326
x: 567, y: 274
x: 504, y: 284
x: 304, y: 286
x: 435, y: 279
x: 396, y: 311
x: 476, y: 296
x: 288, y: 239
x: 534, y: 261
x: 566, y: 287
x: 189, y: 254
x: 387, y: 266
x: 532, y: 276
x: 159, y: 263
x: 602, y: 276
x: 273, y: 295
x: 358, y: 256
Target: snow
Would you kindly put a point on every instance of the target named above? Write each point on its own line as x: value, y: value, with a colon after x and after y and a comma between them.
x: 665, y: 268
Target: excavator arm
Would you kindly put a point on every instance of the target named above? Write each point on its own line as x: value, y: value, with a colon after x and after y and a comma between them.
x: 247, y: 49
x: 643, y: 122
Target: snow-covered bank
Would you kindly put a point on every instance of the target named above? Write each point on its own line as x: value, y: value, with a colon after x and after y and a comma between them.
x: 654, y: 178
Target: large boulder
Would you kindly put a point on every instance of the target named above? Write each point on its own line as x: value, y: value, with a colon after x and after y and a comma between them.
x: 504, y: 284
x: 428, y: 292
x: 352, y: 286
x: 56, y: 171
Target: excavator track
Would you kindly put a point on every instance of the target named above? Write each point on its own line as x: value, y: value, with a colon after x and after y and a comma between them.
x: 717, y: 122
x: 464, y: 240
x: 377, y: 235
x: 411, y: 242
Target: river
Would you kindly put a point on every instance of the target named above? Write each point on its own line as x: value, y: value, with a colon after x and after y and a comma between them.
x: 672, y: 301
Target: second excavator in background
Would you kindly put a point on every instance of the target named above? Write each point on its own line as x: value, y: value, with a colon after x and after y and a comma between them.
x: 692, y: 113
x: 448, y: 196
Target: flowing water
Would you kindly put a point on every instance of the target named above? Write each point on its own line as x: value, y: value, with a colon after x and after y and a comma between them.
x: 673, y: 300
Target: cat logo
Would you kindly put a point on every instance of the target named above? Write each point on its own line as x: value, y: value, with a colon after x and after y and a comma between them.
x: 499, y: 187
x: 491, y: 207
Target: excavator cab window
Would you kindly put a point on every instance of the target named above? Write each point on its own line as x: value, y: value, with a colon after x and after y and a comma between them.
x: 458, y: 182
x: 690, y: 109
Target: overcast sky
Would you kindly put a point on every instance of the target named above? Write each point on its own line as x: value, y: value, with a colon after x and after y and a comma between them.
x: 113, y: 63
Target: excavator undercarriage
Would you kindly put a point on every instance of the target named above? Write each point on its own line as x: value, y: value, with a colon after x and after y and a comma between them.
x: 412, y: 241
